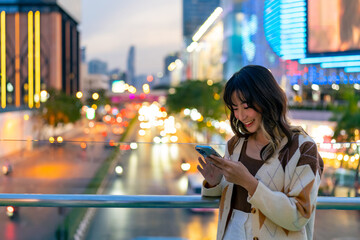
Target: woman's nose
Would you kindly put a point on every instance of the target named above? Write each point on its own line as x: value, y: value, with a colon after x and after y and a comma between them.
x: 240, y: 115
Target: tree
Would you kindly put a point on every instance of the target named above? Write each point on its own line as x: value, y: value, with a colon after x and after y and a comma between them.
x: 198, y: 94
x: 347, y: 116
x: 60, y: 108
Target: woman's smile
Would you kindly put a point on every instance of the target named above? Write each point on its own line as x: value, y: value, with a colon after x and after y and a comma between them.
x: 248, y: 124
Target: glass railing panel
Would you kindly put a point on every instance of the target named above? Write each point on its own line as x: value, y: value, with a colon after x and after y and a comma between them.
x: 99, y: 161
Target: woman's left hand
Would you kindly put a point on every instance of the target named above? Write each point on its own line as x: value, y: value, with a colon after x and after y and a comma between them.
x: 235, y: 172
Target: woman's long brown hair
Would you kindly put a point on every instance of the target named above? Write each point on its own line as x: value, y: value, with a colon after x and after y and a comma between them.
x: 256, y: 86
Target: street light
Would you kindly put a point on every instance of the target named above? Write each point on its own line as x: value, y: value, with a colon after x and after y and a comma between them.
x: 95, y: 96
x: 79, y: 94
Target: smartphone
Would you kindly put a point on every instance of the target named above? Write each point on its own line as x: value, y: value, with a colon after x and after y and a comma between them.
x: 206, y: 151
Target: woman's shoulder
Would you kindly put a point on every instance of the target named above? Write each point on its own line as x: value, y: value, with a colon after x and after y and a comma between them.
x: 309, y: 153
x: 299, y: 140
x: 301, y: 137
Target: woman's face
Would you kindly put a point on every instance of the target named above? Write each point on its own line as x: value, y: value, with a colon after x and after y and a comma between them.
x: 250, y: 118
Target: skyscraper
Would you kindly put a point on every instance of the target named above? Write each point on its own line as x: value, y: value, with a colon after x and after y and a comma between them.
x: 42, y: 48
x: 131, y: 66
x: 98, y: 67
x: 195, y: 13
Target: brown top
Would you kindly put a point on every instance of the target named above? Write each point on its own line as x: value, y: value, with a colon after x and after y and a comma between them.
x: 240, y: 194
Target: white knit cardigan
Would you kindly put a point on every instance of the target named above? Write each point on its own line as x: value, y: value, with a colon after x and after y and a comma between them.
x: 284, y: 202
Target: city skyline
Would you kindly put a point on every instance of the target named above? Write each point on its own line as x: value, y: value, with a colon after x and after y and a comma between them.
x: 108, y: 30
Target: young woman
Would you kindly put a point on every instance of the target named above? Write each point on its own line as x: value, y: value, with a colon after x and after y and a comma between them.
x: 269, y: 177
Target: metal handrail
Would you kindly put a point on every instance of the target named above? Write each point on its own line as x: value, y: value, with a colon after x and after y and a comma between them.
x: 145, y: 201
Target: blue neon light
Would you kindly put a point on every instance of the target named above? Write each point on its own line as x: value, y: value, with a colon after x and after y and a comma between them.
x: 352, y: 69
x: 292, y: 10
x: 285, y: 27
x: 340, y: 64
x: 293, y: 20
x: 293, y: 31
x: 293, y: 56
x: 329, y: 59
x: 294, y: 5
x: 294, y: 41
x: 292, y: 46
x: 296, y: 35
x: 300, y: 25
x: 290, y: 1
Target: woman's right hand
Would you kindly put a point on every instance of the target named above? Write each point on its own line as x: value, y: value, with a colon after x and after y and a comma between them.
x: 210, y: 172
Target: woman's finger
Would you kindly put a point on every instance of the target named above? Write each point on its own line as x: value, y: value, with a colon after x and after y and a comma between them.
x: 201, y: 161
x: 215, y: 160
x: 200, y: 169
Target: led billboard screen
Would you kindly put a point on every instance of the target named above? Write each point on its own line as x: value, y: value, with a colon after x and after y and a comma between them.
x: 333, y: 26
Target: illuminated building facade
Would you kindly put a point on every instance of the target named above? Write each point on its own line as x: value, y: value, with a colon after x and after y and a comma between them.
x: 39, y: 49
x: 195, y: 12
x: 244, y: 39
x: 319, y: 42
x: 311, y: 47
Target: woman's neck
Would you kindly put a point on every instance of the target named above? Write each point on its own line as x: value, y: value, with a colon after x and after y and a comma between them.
x: 260, y: 138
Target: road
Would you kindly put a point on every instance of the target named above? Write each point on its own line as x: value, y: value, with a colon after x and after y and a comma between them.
x: 48, y: 169
x: 153, y: 169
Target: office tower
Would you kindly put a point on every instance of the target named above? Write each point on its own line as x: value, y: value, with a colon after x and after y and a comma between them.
x: 97, y: 66
x: 44, y: 32
x: 195, y: 13
x: 131, y: 66
x: 83, y: 54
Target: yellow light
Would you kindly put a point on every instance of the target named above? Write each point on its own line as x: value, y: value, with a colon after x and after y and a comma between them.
x: 340, y: 157
x: 79, y: 95
x: 94, y: 106
x: 346, y: 158
x: 185, y: 167
x: 216, y: 96
x: 26, y: 117
x: 17, y: 59
x: 59, y: 139
x: 172, y: 66
x: 51, y: 139
x: 210, y: 82
x: 30, y: 60
x: 146, y: 88
x: 132, y: 89
x: 208, y: 124
x: 3, y: 59
x: 95, y: 96
x: 43, y: 96
x: 37, y: 56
